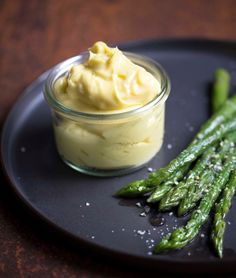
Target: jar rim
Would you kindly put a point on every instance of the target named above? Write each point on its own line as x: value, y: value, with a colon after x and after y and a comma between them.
x: 63, y: 67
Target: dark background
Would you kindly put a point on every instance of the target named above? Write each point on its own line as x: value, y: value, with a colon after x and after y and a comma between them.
x: 35, y: 35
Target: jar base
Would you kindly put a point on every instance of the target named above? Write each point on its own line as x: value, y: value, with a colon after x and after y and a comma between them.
x: 102, y: 172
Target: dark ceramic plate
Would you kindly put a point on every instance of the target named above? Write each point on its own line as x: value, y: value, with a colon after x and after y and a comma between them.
x: 82, y: 207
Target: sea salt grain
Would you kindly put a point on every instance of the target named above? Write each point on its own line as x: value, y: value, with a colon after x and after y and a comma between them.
x: 149, y: 243
x: 22, y: 149
x: 146, y: 209
x: 169, y: 146
x: 191, y: 128
x: 140, y: 232
x: 150, y: 169
x: 217, y: 168
x: 221, y: 143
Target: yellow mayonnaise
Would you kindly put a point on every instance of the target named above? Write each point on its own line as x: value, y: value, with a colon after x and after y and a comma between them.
x: 111, y: 145
x: 108, y: 82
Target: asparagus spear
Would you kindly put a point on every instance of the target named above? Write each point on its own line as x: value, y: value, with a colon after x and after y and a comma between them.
x: 138, y: 187
x: 196, y: 191
x: 195, y: 150
x: 222, y: 209
x: 183, y: 235
x: 223, y: 114
x: 176, y: 193
x: 195, y: 188
x: 173, y: 200
x: 220, y: 89
x: 141, y: 187
x: 219, y: 95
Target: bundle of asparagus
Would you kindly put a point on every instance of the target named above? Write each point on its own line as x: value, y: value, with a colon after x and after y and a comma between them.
x: 199, y: 176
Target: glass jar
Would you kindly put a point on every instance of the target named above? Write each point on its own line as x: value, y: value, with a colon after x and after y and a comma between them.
x: 108, y: 144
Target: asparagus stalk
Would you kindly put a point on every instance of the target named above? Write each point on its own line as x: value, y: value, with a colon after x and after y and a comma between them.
x: 141, y: 187
x: 220, y: 89
x: 196, y: 191
x: 173, y: 200
x: 193, y: 187
x: 183, y: 235
x: 137, y: 188
x: 194, y: 150
x: 220, y: 116
x: 176, y: 193
x: 222, y: 209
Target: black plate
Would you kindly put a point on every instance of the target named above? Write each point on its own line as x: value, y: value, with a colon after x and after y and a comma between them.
x: 82, y: 207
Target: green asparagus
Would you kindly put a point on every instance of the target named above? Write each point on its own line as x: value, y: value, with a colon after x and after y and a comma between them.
x: 141, y: 187
x: 195, y: 150
x: 220, y: 89
x: 183, y: 235
x: 196, y: 191
x: 177, y: 194
x: 165, y: 187
x: 220, y: 116
x: 222, y: 209
x: 173, y: 197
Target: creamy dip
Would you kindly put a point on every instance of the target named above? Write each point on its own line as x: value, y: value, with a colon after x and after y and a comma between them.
x: 108, y: 82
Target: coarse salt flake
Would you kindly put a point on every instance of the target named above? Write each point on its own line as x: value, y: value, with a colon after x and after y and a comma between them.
x: 169, y: 146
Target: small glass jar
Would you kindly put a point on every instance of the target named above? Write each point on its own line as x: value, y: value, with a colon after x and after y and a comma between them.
x: 108, y: 144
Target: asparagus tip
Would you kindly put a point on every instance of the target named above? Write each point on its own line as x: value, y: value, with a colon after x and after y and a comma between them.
x: 150, y: 200
x: 120, y: 193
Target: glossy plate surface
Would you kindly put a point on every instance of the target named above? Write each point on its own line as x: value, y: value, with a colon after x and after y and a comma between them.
x: 82, y: 207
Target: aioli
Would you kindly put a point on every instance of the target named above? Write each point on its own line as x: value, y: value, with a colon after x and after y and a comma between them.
x: 108, y: 82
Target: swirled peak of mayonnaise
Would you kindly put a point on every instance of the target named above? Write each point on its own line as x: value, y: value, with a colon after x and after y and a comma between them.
x: 107, y: 82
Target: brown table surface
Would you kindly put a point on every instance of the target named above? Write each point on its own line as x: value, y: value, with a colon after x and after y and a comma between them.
x: 35, y: 35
